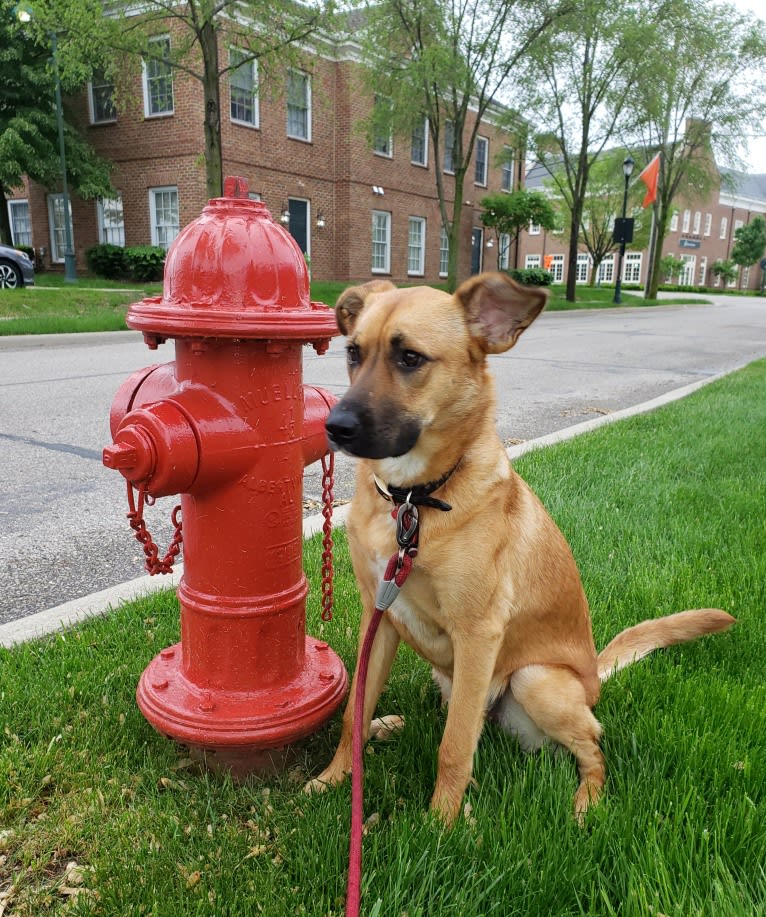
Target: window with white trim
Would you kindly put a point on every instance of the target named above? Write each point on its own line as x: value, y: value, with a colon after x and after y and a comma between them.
x: 443, y: 253
x: 631, y: 267
x: 503, y: 251
x: 738, y: 224
x: 708, y: 223
x: 506, y: 175
x: 606, y: 270
x: 449, y: 146
x: 381, y: 242
x: 419, y: 145
x: 583, y: 267
x: 532, y: 262
x: 724, y: 227
x: 101, y: 99
x: 689, y: 270
x: 557, y: 268
x: 111, y: 221
x: 687, y: 221
x: 674, y: 221
x: 697, y: 224
x: 298, y: 105
x: 745, y: 276
x: 481, y: 163
x: 158, y: 79
x: 21, y: 222
x: 703, y: 270
x: 383, y: 141
x: 243, y: 88
x: 534, y: 229
x: 416, y: 246
x: 163, y: 210
x: 57, y: 225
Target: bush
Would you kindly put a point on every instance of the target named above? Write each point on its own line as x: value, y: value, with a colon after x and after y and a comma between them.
x: 27, y: 249
x: 145, y: 262
x: 532, y: 276
x: 107, y: 261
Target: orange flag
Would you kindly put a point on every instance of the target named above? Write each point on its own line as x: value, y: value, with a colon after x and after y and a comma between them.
x: 650, y: 177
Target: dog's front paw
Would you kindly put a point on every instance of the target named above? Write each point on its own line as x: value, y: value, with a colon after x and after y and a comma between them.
x: 384, y: 727
x: 329, y: 778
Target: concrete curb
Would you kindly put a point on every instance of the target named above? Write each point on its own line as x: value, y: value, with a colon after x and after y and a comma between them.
x: 53, y: 619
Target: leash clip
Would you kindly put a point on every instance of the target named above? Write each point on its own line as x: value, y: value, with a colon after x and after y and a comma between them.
x: 406, y: 525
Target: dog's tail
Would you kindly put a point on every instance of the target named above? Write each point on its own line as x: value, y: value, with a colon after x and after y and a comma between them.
x: 636, y: 642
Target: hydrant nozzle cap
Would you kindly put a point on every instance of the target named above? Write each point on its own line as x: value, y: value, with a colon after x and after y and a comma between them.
x: 234, y: 272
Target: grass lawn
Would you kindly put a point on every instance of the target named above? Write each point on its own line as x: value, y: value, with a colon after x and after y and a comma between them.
x: 53, y: 306
x: 664, y: 511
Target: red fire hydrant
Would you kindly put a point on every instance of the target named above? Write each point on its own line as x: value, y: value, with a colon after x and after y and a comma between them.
x: 230, y: 426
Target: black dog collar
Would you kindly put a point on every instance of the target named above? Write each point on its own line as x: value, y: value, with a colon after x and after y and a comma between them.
x: 418, y: 494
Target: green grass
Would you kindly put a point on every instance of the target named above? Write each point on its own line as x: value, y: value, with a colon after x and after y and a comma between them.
x: 665, y: 511
x: 93, y: 304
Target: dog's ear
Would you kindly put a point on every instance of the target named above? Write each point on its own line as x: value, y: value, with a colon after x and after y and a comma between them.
x: 351, y: 302
x: 498, y: 309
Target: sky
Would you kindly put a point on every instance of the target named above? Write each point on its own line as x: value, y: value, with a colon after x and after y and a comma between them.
x: 756, y: 157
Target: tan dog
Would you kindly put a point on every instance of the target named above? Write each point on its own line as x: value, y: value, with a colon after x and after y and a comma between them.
x: 494, y: 601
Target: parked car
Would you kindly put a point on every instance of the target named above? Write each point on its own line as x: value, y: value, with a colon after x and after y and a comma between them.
x: 16, y: 269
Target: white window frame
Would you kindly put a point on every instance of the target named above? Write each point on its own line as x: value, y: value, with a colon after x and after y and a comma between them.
x: 18, y: 204
x: 557, y: 269
x: 697, y: 224
x: 58, y: 231
x: 686, y: 221
x: 724, y: 227
x: 443, y: 253
x: 416, y: 247
x: 449, y: 147
x: 746, y: 276
x: 148, y: 76
x: 249, y: 95
x: 503, y: 251
x: 506, y: 175
x: 383, y: 145
x: 674, y: 221
x: 104, y: 90
x: 304, y: 107
x: 703, y: 270
x: 481, y: 163
x: 534, y: 229
x: 160, y: 234
x: 689, y: 271
x: 115, y: 233
x: 380, y: 260
x: 606, y: 270
x: 708, y: 223
x: 424, y: 161
x: 631, y: 267
x: 532, y: 262
x: 582, y: 269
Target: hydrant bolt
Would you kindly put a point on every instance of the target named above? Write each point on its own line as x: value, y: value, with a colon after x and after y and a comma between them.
x: 120, y: 455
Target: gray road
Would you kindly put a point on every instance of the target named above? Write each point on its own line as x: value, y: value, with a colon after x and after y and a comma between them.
x: 63, y: 532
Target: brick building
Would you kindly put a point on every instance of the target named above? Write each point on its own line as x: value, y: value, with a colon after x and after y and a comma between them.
x: 700, y: 233
x: 357, y: 211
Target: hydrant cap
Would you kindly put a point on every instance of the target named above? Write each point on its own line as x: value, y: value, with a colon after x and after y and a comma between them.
x: 234, y: 272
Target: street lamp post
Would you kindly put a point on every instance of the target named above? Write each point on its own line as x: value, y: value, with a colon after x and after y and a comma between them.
x: 623, y: 231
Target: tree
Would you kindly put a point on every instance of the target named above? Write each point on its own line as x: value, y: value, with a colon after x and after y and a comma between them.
x: 750, y: 242
x: 726, y: 270
x: 579, y: 80
x: 672, y: 267
x: 267, y: 32
x: 28, y: 125
x: 702, y: 86
x: 446, y: 63
x: 508, y: 214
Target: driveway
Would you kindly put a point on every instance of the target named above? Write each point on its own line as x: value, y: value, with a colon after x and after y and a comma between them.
x: 63, y: 532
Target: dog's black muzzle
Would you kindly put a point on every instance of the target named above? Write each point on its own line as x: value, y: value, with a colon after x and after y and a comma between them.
x: 358, y: 430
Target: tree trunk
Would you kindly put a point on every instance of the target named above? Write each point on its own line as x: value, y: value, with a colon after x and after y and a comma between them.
x: 574, y: 235
x: 453, y: 266
x: 5, y: 220
x: 211, y: 92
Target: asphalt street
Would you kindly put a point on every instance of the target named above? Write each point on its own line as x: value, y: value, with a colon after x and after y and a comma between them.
x: 63, y: 532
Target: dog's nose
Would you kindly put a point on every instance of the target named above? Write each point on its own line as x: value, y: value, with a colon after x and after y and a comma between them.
x: 342, y: 425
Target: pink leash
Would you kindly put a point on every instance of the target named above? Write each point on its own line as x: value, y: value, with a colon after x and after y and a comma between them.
x: 397, y: 571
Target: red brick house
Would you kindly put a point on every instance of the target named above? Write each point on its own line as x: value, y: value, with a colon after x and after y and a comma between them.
x: 357, y: 211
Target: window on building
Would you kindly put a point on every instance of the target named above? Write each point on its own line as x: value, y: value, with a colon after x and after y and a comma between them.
x: 503, y: 251
x: 57, y: 225
x: 101, y: 99
x: 443, y: 253
x: 708, y: 223
x: 449, y: 146
x: 606, y: 270
x: 506, y: 176
x: 482, y: 158
x: 111, y: 222
x: 158, y: 79
x: 745, y: 276
x: 583, y: 268
x: 383, y: 141
x: 381, y: 242
x: 419, y: 148
x: 703, y: 271
x: 163, y: 210
x: 299, y: 105
x: 687, y: 221
x: 557, y: 268
x: 631, y: 267
x: 21, y: 222
x: 689, y: 270
x: 534, y: 229
x: 243, y: 88
x: 697, y: 224
x: 416, y: 246
x: 532, y: 262
x: 738, y: 224
x: 674, y: 221
x: 724, y: 227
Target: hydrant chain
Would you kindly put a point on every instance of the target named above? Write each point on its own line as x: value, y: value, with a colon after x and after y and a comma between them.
x: 328, y: 469
x: 153, y: 563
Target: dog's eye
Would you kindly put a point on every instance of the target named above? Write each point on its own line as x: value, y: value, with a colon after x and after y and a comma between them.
x: 353, y: 355
x: 411, y: 359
